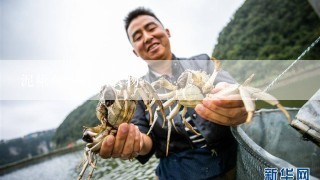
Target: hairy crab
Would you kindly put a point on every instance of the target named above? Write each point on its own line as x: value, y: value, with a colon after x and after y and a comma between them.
x: 191, y: 88
x: 116, y: 106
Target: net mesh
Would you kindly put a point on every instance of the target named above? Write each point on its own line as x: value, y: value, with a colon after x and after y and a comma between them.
x: 270, y: 142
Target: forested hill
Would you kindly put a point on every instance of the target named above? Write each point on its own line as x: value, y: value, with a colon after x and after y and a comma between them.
x: 270, y: 29
x: 260, y: 29
x: 71, y: 128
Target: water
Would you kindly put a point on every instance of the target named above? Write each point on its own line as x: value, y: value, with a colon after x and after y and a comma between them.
x: 66, y: 167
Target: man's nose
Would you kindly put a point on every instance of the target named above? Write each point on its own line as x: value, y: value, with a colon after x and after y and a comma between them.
x: 147, y: 38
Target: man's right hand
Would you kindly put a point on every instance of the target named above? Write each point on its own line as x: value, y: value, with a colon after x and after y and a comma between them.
x: 127, y: 144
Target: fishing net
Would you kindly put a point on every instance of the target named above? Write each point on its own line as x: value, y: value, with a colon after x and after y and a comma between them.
x: 270, y: 142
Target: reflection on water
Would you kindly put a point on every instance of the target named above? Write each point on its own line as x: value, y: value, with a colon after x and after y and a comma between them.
x: 66, y: 167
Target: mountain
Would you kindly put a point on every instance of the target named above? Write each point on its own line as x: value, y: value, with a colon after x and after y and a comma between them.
x: 26, y: 147
x: 269, y: 29
x: 71, y: 128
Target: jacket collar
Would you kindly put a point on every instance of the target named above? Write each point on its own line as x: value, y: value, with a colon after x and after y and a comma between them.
x: 176, y: 71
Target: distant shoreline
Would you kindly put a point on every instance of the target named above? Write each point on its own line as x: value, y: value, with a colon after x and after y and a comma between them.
x: 5, y: 169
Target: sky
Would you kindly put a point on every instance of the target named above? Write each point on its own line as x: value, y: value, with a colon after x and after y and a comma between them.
x: 54, y: 55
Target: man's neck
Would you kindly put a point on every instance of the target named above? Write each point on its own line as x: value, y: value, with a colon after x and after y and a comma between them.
x: 162, y: 67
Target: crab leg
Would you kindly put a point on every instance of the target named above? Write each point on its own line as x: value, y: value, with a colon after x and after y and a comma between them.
x: 91, y: 172
x: 174, y: 112
x: 146, y: 103
x: 150, y: 113
x: 233, y: 89
x: 111, y: 110
x: 118, y: 103
x: 183, y: 116
x: 154, y: 122
x: 168, y: 103
x: 85, y: 166
x: 209, y: 84
x: 130, y: 85
x: 248, y: 103
x: 96, y: 147
x: 168, y: 137
x: 126, y: 98
x: 90, y: 157
x: 247, y: 81
x: 269, y: 99
x: 152, y: 102
x: 163, y: 83
x: 150, y: 89
x: 167, y: 95
x: 83, y: 161
x: 132, y: 107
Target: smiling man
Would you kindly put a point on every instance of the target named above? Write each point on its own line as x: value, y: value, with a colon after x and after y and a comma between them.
x: 149, y: 39
x: 210, y: 155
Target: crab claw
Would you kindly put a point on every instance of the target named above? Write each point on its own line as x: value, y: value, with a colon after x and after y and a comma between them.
x: 88, y: 136
x: 249, y: 117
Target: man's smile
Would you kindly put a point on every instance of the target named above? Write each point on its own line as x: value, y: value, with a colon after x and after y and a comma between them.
x: 152, y: 47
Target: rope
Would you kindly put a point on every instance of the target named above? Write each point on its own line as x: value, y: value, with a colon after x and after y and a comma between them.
x: 291, y: 65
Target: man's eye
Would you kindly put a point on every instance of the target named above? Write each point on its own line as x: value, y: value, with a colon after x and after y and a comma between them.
x: 137, y: 38
x: 152, y: 28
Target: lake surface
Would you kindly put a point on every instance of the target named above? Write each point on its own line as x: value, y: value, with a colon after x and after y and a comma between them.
x: 67, y: 167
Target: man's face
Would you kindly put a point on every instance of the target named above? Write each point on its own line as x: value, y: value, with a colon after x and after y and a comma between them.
x: 149, y: 39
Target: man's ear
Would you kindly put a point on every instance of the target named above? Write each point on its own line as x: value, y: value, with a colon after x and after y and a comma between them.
x: 135, y: 53
x: 168, y: 32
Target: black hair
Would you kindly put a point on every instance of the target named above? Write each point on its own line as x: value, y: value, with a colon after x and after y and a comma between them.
x: 135, y: 13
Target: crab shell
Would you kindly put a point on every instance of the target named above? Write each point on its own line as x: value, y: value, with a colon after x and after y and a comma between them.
x: 117, y: 113
x: 189, y: 96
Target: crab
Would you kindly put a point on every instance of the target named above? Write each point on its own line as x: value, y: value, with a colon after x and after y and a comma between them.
x: 193, y: 86
x: 116, y: 106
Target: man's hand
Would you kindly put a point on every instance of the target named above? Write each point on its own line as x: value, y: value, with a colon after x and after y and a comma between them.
x: 228, y: 110
x: 128, y: 143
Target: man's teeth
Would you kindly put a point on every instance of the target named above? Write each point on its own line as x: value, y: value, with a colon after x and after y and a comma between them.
x: 153, y: 46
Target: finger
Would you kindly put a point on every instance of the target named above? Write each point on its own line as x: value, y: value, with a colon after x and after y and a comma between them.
x: 128, y: 146
x: 221, y: 119
x: 228, y: 112
x: 121, y: 137
x: 107, y: 147
x: 136, y: 148
x: 206, y: 113
x: 141, y: 141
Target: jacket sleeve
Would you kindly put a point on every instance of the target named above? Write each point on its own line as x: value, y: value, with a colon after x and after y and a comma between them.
x: 142, y: 122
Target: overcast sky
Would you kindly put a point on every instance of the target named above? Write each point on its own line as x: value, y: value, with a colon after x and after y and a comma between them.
x: 57, y: 54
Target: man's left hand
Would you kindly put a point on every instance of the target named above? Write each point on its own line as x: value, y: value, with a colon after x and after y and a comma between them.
x: 228, y: 110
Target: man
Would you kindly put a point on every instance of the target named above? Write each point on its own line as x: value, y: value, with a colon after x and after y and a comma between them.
x: 207, y: 156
